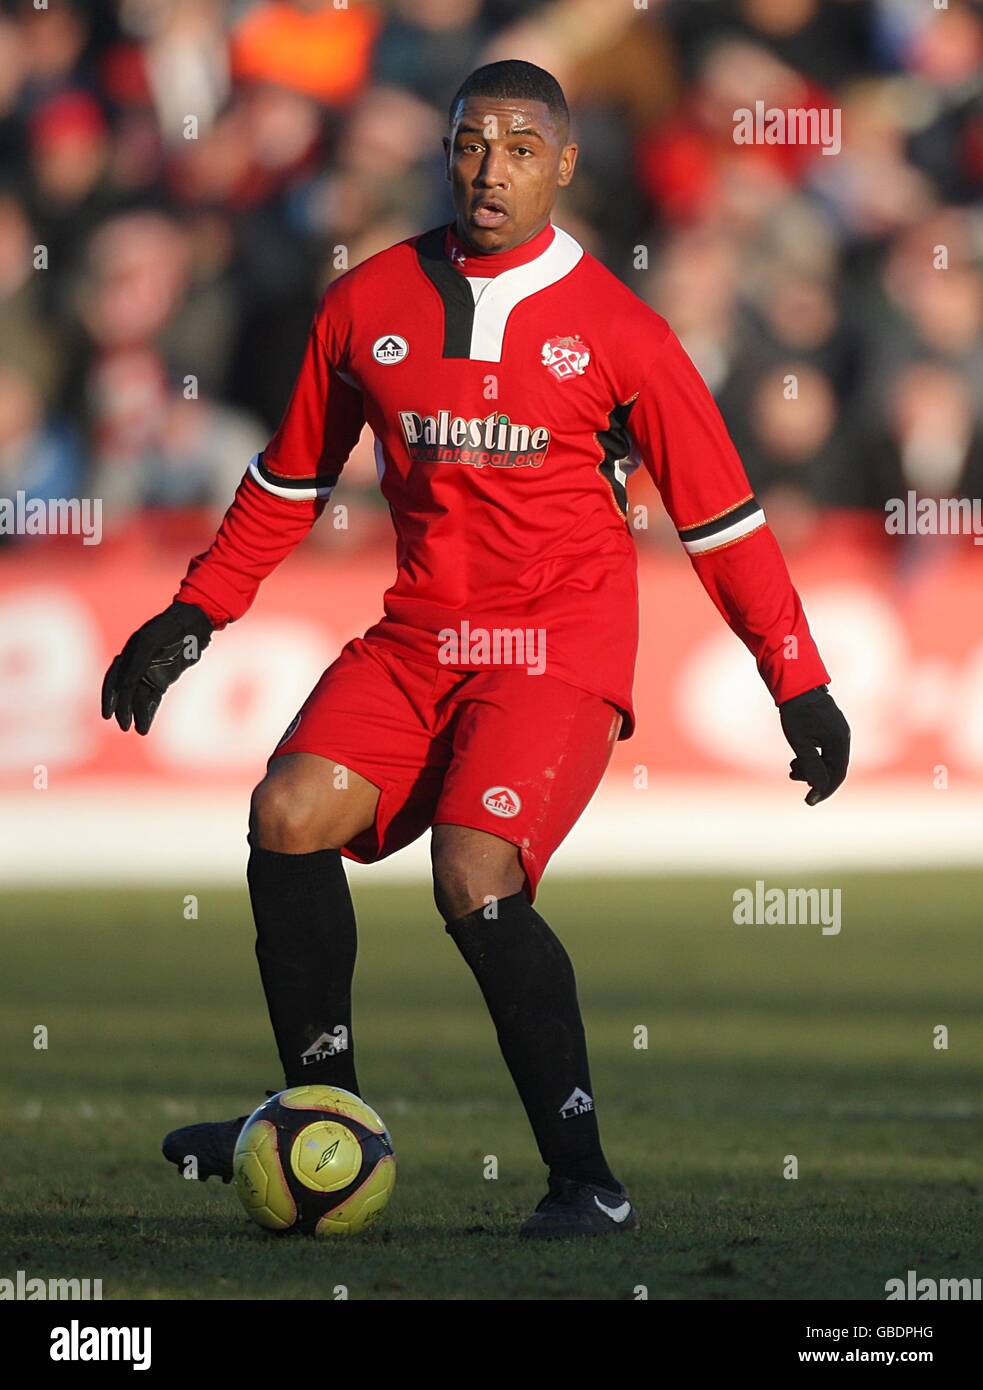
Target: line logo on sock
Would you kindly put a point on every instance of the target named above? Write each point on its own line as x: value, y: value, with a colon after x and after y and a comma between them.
x: 327, y: 1045
x: 578, y: 1102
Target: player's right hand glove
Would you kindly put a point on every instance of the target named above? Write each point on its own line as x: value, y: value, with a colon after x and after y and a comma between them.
x: 813, y: 721
x: 151, y: 661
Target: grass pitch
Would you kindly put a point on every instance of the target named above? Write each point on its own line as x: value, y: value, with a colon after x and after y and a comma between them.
x: 762, y: 1042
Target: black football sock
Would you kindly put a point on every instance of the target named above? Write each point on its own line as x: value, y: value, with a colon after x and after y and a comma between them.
x: 528, y: 983
x: 305, y: 944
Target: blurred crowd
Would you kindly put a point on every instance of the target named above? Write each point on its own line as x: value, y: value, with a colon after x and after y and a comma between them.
x: 179, y: 175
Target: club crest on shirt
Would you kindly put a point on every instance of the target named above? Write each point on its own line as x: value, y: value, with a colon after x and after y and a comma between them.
x: 566, y: 357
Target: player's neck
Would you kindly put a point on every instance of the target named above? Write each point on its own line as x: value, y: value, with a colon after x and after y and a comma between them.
x: 470, y: 261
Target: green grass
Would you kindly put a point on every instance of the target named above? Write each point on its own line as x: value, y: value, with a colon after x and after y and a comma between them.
x: 762, y: 1042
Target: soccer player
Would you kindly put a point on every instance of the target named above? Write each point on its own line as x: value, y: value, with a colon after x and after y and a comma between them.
x: 512, y: 384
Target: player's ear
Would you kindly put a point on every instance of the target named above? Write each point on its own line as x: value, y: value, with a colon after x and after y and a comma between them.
x: 447, y: 158
x: 568, y: 162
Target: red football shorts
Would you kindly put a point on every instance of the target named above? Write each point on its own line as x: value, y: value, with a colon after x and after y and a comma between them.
x: 498, y: 749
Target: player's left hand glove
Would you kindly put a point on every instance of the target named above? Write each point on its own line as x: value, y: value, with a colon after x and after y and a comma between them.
x: 812, y: 722
x: 151, y: 661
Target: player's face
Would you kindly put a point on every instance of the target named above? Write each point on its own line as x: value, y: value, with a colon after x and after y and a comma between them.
x: 505, y: 161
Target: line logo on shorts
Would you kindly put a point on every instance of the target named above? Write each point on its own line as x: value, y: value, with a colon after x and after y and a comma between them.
x: 291, y: 730
x: 502, y: 801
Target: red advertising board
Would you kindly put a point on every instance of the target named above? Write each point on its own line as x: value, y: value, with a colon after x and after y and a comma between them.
x: 905, y: 646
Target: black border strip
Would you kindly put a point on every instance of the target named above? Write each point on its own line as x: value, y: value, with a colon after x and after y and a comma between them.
x: 454, y: 290
x: 318, y: 480
x: 721, y: 523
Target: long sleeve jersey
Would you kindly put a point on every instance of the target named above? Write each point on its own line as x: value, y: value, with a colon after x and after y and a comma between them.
x: 511, y: 396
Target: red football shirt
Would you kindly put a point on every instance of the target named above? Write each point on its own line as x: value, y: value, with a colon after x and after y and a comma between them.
x: 511, y: 396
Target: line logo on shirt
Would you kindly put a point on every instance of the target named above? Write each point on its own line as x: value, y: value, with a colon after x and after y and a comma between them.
x: 566, y: 357
x: 493, y: 441
x: 390, y: 348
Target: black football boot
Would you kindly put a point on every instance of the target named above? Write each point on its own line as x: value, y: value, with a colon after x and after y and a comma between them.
x: 212, y: 1145
x: 580, y: 1209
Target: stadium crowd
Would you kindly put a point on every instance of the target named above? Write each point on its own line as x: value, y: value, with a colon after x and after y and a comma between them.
x: 181, y: 178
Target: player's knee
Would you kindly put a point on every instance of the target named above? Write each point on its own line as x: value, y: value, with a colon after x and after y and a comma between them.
x: 464, y: 880
x: 285, y: 816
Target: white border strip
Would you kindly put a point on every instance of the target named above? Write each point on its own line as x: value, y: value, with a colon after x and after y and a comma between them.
x: 145, y: 833
x: 292, y: 494
x: 511, y: 287
x: 729, y: 533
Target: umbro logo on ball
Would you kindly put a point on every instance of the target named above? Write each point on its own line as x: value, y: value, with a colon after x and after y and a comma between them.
x: 392, y: 348
x: 327, y: 1156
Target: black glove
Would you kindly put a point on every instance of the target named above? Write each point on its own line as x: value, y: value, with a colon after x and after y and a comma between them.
x: 812, y: 721
x: 152, y: 660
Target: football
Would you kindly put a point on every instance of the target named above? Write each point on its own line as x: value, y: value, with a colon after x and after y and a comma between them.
x: 315, y: 1160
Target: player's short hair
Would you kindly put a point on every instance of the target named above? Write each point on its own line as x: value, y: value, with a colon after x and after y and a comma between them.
x: 514, y: 78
